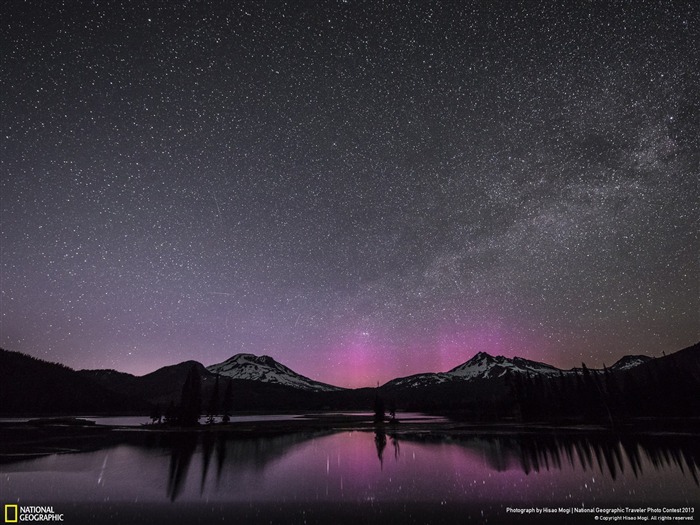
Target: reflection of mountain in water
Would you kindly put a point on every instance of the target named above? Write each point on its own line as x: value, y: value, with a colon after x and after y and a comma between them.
x: 236, y: 466
x: 608, y: 453
x: 258, y: 453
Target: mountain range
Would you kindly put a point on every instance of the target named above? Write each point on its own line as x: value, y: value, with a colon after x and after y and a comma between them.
x: 486, y: 366
x: 29, y: 385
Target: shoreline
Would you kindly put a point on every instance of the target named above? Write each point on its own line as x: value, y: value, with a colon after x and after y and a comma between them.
x: 35, y: 438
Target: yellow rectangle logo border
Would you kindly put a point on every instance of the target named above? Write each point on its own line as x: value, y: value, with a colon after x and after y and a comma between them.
x: 7, y: 514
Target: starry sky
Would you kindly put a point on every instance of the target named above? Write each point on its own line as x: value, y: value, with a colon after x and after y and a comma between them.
x: 360, y: 189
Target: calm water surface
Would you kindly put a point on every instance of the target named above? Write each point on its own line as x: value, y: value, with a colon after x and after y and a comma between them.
x: 368, y: 468
x: 136, y: 421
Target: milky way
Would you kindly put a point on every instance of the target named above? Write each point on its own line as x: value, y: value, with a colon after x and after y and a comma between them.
x: 361, y: 190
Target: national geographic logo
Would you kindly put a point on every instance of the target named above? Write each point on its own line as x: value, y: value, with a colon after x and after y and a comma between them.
x: 16, y: 514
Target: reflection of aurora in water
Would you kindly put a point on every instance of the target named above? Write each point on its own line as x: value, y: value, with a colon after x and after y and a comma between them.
x: 608, y: 455
x: 380, y: 467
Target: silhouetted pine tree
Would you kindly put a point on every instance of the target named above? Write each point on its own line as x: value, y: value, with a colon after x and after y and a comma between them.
x: 191, y: 399
x: 515, y: 382
x: 586, y: 374
x: 213, y: 408
x: 539, y: 397
x: 528, y: 398
x: 227, y: 402
x: 561, y: 396
x: 631, y: 391
x: 378, y: 409
x: 589, y: 396
x: 614, y: 397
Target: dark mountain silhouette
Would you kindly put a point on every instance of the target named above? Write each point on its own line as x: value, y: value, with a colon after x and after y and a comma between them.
x: 159, y: 387
x: 664, y: 387
x: 30, y: 386
x: 165, y: 386
x: 485, y: 387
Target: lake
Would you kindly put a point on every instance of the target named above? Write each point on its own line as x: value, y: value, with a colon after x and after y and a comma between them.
x: 410, y: 477
x: 137, y: 421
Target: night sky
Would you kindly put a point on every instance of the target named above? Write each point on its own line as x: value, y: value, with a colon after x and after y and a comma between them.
x: 360, y: 189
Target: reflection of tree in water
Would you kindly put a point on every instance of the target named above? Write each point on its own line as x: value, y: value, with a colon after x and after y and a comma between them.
x: 380, y: 443
x: 611, y: 454
x: 183, y: 446
x: 230, y: 452
x: 608, y: 453
x: 220, y: 457
x: 208, y: 441
x: 660, y: 451
x: 395, y: 444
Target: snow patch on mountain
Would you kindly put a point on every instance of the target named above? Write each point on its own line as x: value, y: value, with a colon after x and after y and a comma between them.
x: 630, y: 361
x: 266, y: 369
x: 419, y: 380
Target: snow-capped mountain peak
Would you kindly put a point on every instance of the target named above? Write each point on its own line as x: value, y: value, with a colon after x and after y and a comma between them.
x: 484, y: 365
x: 264, y: 368
x: 481, y: 366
